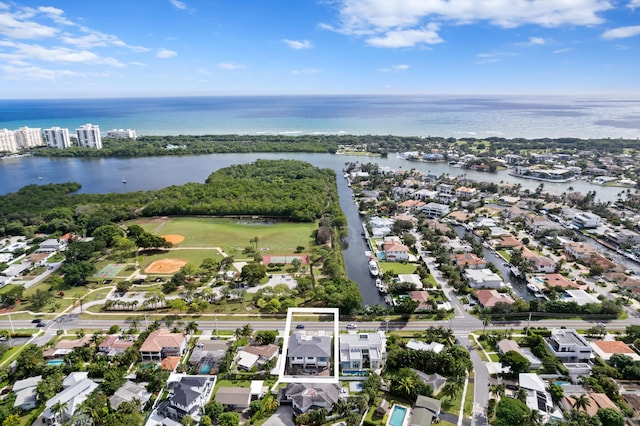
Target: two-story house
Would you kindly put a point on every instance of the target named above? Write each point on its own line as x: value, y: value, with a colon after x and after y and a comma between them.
x: 187, y: 396
x: 305, y: 397
x: 362, y: 350
x: 161, y: 344
x: 309, y: 351
x: 569, y: 346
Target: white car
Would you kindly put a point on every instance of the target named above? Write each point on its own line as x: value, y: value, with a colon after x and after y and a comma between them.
x: 352, y: 326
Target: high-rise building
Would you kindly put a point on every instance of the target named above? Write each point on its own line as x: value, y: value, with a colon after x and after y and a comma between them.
x: 27, y: 137
x: 122, y: 134
x: 89, y: 136
x: 57, y: 137
x: 8, y: 141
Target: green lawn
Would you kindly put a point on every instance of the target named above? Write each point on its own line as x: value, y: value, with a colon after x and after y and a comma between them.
x: 233, y: 235
x: 469, y: 399
x: 398, y: 267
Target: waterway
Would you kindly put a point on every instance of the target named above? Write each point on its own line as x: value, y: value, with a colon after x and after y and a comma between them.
x: 105, y: 175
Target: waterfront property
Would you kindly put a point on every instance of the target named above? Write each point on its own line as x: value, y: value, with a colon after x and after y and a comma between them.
x: 398, y: 414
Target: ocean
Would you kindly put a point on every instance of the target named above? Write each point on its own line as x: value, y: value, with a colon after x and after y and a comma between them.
x: 420, y: 115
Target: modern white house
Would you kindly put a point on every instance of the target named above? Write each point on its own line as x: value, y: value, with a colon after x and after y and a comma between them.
x: 435, y: 210
x: 538, y: 398
x: 362, y: 351
x: 569, y: 346
x: 586, y: 220
x: 483, y: 278
x: 89, y: 136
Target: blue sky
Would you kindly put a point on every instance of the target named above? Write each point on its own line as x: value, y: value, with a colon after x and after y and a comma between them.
x: 72, y: 48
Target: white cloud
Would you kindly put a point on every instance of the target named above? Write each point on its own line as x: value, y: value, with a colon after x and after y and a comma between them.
x: 535, y: 41
x: 407, y: 38
x: 230, y: 66
x: 621, y: 32
x: 57, y: 54
x: 13, y: 27
x: 395, y: 23
x: 165, y: 53
x: 633, y: 4
x: 178, y: 4
x: 396, y: 68
x: 306, y: 71
x: 565, y: 50
x: 298, y: 44
x: 97, y: 39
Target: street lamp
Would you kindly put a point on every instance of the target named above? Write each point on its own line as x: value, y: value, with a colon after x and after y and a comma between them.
x: 386, y: 320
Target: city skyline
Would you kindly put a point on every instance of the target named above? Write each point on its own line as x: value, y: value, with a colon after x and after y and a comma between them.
x: 182, y: 48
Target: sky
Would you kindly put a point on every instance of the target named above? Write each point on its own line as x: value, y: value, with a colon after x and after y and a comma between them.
x: 120, y: 48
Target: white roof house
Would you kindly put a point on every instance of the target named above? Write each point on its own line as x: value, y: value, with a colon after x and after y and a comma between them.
x: 483, y: 278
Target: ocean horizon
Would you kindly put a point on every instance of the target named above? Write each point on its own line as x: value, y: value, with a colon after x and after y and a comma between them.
x: 401, y: 115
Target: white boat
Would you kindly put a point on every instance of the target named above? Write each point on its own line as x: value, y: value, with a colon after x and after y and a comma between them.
x: 373, y: 268
x: 124, y: 180
x: 532, y: 288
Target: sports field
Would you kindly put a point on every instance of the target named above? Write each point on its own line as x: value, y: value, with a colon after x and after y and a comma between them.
x: 110, y: 271
x: 232, y: 234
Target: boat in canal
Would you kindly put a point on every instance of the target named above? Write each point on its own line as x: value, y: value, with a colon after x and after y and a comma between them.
x: 373, y: 268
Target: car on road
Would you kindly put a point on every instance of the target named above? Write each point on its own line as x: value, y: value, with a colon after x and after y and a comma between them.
x: 352, y: 326
x: 601, y: 324
x: 300, y: 326
x: 41, y: 324
x: 36, y: 321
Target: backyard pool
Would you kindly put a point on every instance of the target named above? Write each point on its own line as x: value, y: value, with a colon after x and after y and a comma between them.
x: 398, y: 413
x: 54, y: 362
x: 205, y: 368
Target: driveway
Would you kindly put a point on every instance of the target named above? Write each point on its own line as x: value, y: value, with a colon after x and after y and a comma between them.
x: 282, y: 417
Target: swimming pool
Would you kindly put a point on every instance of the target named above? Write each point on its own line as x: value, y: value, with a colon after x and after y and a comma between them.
x: 54, y: 362
x: 398, y: 413
x: 205, y: 368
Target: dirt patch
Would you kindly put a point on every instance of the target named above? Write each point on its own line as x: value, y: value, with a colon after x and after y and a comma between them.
x: 174, y: 238
x: 165, y: 266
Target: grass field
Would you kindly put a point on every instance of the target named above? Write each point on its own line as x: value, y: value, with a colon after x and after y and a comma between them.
x: 398, y: 267
x: 232, y: 235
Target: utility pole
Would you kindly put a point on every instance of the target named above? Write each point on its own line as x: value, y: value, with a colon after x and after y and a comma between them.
x: 529, y: 324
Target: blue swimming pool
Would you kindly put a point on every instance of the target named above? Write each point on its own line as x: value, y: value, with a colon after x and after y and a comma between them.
x: 55, y: 362
x: 398, y: 414
x: 205, y: 368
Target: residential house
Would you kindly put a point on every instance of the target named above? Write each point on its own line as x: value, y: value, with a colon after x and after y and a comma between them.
x: 426, y: 194
x: 256, y: 355
x: 507, y: 200
x: 170, y: 363
x: 537, y: 224
x: 161, y: 344
x: 569, y: 346
x: 538, y: 263
x: 64, y: 347
x: 127, y: 393
x: 434, y: 380
x: 425, y: 411
x: 113, y: 345
x: 605, y: 349
x: 469, y: 260
x: 411, y: 278
x: 422, y: 297
x: 559, y: 280
x: 489, y: 298
x: 305, y: 396
x: 72, y: 397
x: 456, y: 245
x: 437, y: 226
x: 51, y: 245
x: 586, y: 220
x: 187, y: 396
x: 508, y: 241
x: 435, y: 210
x: 26, y: 395
x: 362, y: 350
x: 309, y: 351
x: 395, y: 251
x: 580, y: 297
x: 234, y: 398
x: 380, y: 227
x: 579, y: 251
x: 410, y: 206
x: 623, y: 237
x: 465, y: 193
x: 596, y: 402
x: 208, y: 354
x: 506, y: 345
x: 483, y: 278
x: 538, y: 397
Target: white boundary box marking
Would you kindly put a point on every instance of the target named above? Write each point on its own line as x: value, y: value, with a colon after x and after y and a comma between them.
x: 282, y: 377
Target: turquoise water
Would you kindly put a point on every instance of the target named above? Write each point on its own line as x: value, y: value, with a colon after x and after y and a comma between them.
x: 55, y: 362
x: 562, y: 383
x: 205, y: 369
x: 397, y: 415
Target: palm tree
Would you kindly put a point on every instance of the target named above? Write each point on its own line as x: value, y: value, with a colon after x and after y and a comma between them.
x: 534, y: 418
x: 449, y: 391
x: 58, y: 409
x: 486, y: 320
x: 581, y: 402
x: 191, y: 327
x: 521, y: 394
x: 498, y: 390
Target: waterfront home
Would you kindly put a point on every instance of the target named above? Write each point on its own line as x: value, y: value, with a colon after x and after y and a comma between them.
x: 304, y: 396
x: 469, y: 260
x: 465, y: 193
x: 586, y: 220
x: 161, y: 344
x: 395, y: 251
x: 483, y: 278
x: 538, y: 262
x: 411, y: 278
x: 569, y: 346
x: 309, y: 351
x: 435, y: 210
x: 578, y: 250
x: 362, y: 351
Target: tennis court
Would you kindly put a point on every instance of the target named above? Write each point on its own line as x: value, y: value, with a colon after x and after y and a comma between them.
x: 111, y: 270
x: 285, y: 259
